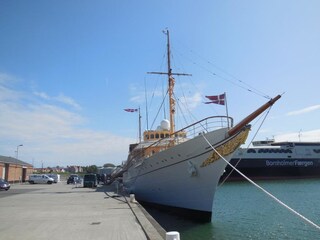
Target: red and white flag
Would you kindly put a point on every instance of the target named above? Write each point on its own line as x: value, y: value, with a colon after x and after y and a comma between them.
x: 131, y: 110
x: 217, y: 99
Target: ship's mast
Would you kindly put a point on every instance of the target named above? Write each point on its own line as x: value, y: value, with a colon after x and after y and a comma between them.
x: 171, y: 82
x: 172, y: 104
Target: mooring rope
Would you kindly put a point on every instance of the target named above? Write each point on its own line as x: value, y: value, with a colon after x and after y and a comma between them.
x: 262, y: 189
x: 254, y: 136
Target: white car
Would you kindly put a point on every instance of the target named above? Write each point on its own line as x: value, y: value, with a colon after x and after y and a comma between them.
x: 40, y: 178
x: 56, y: 177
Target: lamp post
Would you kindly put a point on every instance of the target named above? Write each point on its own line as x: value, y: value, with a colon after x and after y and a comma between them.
x: 18, y: 149
x: 15, y: 170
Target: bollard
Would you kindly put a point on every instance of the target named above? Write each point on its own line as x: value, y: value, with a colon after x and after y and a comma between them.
x: 173, y: 235
x: 132, y: 199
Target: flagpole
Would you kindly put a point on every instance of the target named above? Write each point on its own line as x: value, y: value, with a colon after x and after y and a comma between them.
x: 225, y: 97
x: 139, y: 126
x: 145, y: 96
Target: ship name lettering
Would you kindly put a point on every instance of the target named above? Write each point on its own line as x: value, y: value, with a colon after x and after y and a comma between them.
x: 295, y: 163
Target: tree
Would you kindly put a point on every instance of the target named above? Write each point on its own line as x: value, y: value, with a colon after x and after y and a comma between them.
x: 92, y: 169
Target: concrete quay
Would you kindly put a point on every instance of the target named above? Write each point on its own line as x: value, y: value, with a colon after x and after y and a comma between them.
x: 61, y: 211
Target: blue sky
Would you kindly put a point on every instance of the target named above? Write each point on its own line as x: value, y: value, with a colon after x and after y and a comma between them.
x: 69, y: 68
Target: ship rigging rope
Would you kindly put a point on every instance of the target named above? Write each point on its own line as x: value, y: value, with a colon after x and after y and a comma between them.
x: 229, y: 77
x: 265, y: 116
x: 263, y: 190
x: 162, y: 104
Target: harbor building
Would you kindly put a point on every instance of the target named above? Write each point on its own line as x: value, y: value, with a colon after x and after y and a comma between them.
x: 14, y: 170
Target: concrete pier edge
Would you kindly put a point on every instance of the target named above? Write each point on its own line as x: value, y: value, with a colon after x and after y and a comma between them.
x: 150, y: 226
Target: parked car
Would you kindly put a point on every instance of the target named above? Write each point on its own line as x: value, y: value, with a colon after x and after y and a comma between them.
x: 4, y: 184
x: 73, y: 179
x: 56, y: 177
x: 40, y: 178
x: 90, y: 180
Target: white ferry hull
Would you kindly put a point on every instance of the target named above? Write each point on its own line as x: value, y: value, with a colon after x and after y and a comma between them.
x: 278, y: 160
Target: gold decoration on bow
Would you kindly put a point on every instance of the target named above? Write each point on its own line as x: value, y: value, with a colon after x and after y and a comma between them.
x: 227, y: 148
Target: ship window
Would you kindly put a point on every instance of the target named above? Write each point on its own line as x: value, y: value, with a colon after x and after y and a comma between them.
x: 147, y: 136
x: 157, y: 136
x: 316, y: 150
x: 152, y: 136
x: 263, y: 150
x: 167, y: 135
x: 288, y: 151
x: 251, y: 151
x: 162, y: 135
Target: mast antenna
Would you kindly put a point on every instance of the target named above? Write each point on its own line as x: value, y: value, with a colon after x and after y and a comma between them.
x: 171, y: 83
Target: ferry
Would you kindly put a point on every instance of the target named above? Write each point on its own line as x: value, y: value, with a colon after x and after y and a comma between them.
x: 275, y: 160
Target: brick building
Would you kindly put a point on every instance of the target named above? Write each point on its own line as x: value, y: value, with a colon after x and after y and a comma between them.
x: 75, y: 169
x: 14, y: 170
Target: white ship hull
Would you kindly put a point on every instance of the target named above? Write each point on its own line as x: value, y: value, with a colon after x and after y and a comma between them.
x: 180, y: 169
x: 184, y: 176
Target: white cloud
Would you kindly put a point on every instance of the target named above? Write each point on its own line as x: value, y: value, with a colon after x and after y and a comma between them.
x: 51, y: 134
x: 68, y: 101
x: 60, y: 98
x: 42, y: 95
x: 5, y: 79
x: 6, y: 93
x: 304, y: 110
x: 304, y: 136
x: 191, y: 102
x: 137, y: 99
x: 139, y: 93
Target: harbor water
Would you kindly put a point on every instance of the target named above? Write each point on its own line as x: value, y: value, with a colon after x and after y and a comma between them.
x: 242, y: 211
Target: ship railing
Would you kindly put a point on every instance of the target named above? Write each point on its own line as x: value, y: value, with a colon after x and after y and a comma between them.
x: 185, y: 134
x: 206, y: 125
